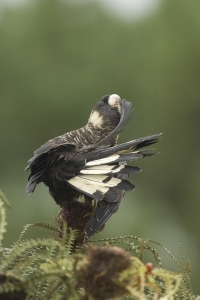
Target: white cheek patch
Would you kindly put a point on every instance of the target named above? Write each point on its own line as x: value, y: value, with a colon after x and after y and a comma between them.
x: 113, y: 100
x: 96, y: 119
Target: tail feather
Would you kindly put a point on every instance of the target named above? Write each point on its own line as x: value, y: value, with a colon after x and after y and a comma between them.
x: 100, y: 187
x: 111, y: 162
x: 120, y: 157
x: 110, y: 170
x: 102, y: 213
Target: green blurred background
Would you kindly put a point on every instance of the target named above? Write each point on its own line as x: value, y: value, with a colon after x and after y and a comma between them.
x: 57, y: 58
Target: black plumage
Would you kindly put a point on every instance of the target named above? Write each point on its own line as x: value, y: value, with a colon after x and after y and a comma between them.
x: 89, y: 162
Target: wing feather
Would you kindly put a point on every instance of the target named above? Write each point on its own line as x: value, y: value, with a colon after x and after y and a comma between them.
x: 100, y: 186
x: 102, y: 213
x: 95, y: 191
x: 110, y: 169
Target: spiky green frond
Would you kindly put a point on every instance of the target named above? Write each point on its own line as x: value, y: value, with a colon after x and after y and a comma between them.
x: 186, y: 286
x: 3, y: 222
x: 58, y: 268
x: 4, y: 199
x: 40, y: 224
x: 168, y: 252
x: 38, y: 264
x: 128, y: 240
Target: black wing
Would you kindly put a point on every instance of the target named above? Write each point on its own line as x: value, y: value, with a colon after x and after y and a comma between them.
x: 93, y: 155
x: 37, y: 164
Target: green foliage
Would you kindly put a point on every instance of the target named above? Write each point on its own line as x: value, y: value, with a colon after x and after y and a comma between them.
x: 185, y: 289
x: 39, y: 268
x: 3, y: 223
x: 4, y: 199
x: 186, y: 286
x: 51, y: 268
x: 40, y: 224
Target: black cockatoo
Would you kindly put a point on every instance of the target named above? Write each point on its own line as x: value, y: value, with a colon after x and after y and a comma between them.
x: 88, y: 162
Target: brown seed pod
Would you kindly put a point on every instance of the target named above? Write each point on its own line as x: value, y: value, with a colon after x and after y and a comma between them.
x: 99, y: 276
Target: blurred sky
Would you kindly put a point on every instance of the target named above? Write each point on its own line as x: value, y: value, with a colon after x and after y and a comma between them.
x: 125, y: 9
